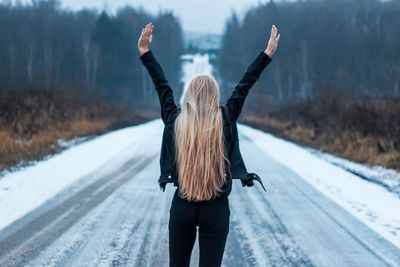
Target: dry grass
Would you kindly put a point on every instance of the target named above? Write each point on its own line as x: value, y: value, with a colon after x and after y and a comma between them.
x: 356, y: 138
x: 30, y: 130
x: 14, y: 150
x: 8, y: 146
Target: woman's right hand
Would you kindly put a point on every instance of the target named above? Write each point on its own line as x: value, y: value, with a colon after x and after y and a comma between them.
x: 145, y: 38
x: 273, y: 41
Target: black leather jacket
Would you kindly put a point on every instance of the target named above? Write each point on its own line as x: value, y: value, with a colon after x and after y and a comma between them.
x: 231, y: 112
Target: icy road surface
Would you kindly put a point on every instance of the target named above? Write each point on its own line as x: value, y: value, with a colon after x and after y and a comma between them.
x: 119, y: 217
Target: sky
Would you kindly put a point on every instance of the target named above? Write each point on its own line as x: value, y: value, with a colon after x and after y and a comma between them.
x: 207, y: 16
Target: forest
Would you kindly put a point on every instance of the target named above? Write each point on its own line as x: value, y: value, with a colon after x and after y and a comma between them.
x: 66, y: 74
x: 334, y: 82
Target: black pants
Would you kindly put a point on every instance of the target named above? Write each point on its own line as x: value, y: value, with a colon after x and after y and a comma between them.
x: 211, y: 216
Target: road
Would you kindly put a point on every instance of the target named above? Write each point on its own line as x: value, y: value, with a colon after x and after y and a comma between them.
x: 119, y: 217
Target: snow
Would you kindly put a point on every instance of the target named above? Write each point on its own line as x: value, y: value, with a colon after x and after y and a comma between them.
x: 388, y: 178
x: 194, y: 65
x: 369, y: 202
x: 26, y: 189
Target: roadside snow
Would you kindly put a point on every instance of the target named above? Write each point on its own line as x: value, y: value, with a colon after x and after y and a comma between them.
x: 388, y: 178
x: 369, y: 202
x: 28, y: 188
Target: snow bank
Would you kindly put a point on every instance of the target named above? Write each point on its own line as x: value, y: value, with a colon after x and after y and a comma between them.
x: 369, y: 202
x: 388, y: 178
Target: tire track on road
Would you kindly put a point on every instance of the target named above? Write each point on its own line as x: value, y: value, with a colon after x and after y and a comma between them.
x: 121, y: 216
x: 279, y: 246
x: 256, y: 254
x: 24, y: 244
x: 292, y: 251
x: 381, y: 258
x: 159, y: 229
x: 236, y: 254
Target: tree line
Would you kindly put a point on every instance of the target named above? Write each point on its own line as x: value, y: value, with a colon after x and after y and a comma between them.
x: 328, y: 47
x: 88, y: 53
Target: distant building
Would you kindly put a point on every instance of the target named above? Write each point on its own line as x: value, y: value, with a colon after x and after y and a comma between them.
x: 203, y: 42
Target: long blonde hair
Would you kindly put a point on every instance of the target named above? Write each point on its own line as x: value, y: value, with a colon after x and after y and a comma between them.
x: 199, y: 143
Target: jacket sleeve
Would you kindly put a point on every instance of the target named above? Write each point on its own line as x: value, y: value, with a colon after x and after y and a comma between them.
x: 235, y: 103
x: 164, y: 91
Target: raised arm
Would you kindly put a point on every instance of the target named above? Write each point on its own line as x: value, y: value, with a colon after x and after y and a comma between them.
x: 164, y: 91
x: 235, y: 102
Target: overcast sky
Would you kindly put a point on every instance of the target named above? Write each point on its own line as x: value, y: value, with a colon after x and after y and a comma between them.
x: 195, y: 15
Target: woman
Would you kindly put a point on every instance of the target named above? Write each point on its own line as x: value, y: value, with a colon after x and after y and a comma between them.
x: 203, y: 154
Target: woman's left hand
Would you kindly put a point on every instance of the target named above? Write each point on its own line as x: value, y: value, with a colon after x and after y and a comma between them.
x: 145, y: 38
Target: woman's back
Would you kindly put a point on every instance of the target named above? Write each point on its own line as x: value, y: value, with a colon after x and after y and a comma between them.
x: 229, y: 113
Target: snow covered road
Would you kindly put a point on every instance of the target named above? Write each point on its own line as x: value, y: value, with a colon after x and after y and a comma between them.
x: 117, y: 216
